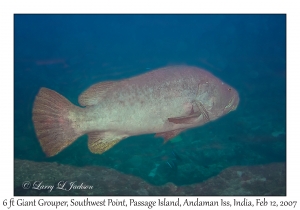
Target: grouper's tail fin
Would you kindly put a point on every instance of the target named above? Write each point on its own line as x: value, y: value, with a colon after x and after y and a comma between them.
x: 54, y: 119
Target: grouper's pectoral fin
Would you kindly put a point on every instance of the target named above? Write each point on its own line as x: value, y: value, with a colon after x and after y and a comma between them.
x: 196, y: 114
x: 169, y: 134
x: 185, y: 119
x: 99, y: 142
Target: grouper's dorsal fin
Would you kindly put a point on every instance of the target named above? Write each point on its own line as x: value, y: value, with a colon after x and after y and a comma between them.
x: 99, y: 142
x: 95, y: 93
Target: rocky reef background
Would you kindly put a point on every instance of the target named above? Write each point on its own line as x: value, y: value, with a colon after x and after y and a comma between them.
x: 255, y: 180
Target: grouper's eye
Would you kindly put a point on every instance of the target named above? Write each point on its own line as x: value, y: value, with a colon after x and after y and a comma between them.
x: 229, y: 89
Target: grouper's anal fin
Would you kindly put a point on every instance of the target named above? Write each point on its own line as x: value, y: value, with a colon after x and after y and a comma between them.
x: 100, y: 142
x: 169, y: 134
x: 94, y: 94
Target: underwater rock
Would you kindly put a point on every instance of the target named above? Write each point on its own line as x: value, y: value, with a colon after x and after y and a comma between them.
x: 176, y: 139
x: 153, y: 171
x: 239, y: 173
x: 255, y: 180
x: 278, y: 133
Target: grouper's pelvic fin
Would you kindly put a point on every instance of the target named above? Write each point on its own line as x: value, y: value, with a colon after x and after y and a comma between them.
x: 57, y: 125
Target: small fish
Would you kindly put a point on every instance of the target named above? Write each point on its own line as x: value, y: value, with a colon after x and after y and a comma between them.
x: 175, y: 155
x: 165, y: 101
x: 51, y: 62
x: 172, y: 164
x: 169, y: 164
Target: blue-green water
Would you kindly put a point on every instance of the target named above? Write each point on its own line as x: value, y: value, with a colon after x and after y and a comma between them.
x: 68, y: 53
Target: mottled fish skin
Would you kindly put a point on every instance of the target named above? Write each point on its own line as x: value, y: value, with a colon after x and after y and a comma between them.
x: 143, y: 104
x: 165, y: 101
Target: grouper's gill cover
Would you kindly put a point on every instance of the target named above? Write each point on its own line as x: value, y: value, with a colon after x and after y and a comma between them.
x: 165, y: 101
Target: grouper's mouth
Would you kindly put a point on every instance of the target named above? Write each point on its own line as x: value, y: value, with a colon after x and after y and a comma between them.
x: 233, y: 103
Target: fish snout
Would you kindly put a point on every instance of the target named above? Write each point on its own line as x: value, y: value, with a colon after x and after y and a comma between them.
x: 232, y: 103
x: 236, y: 101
